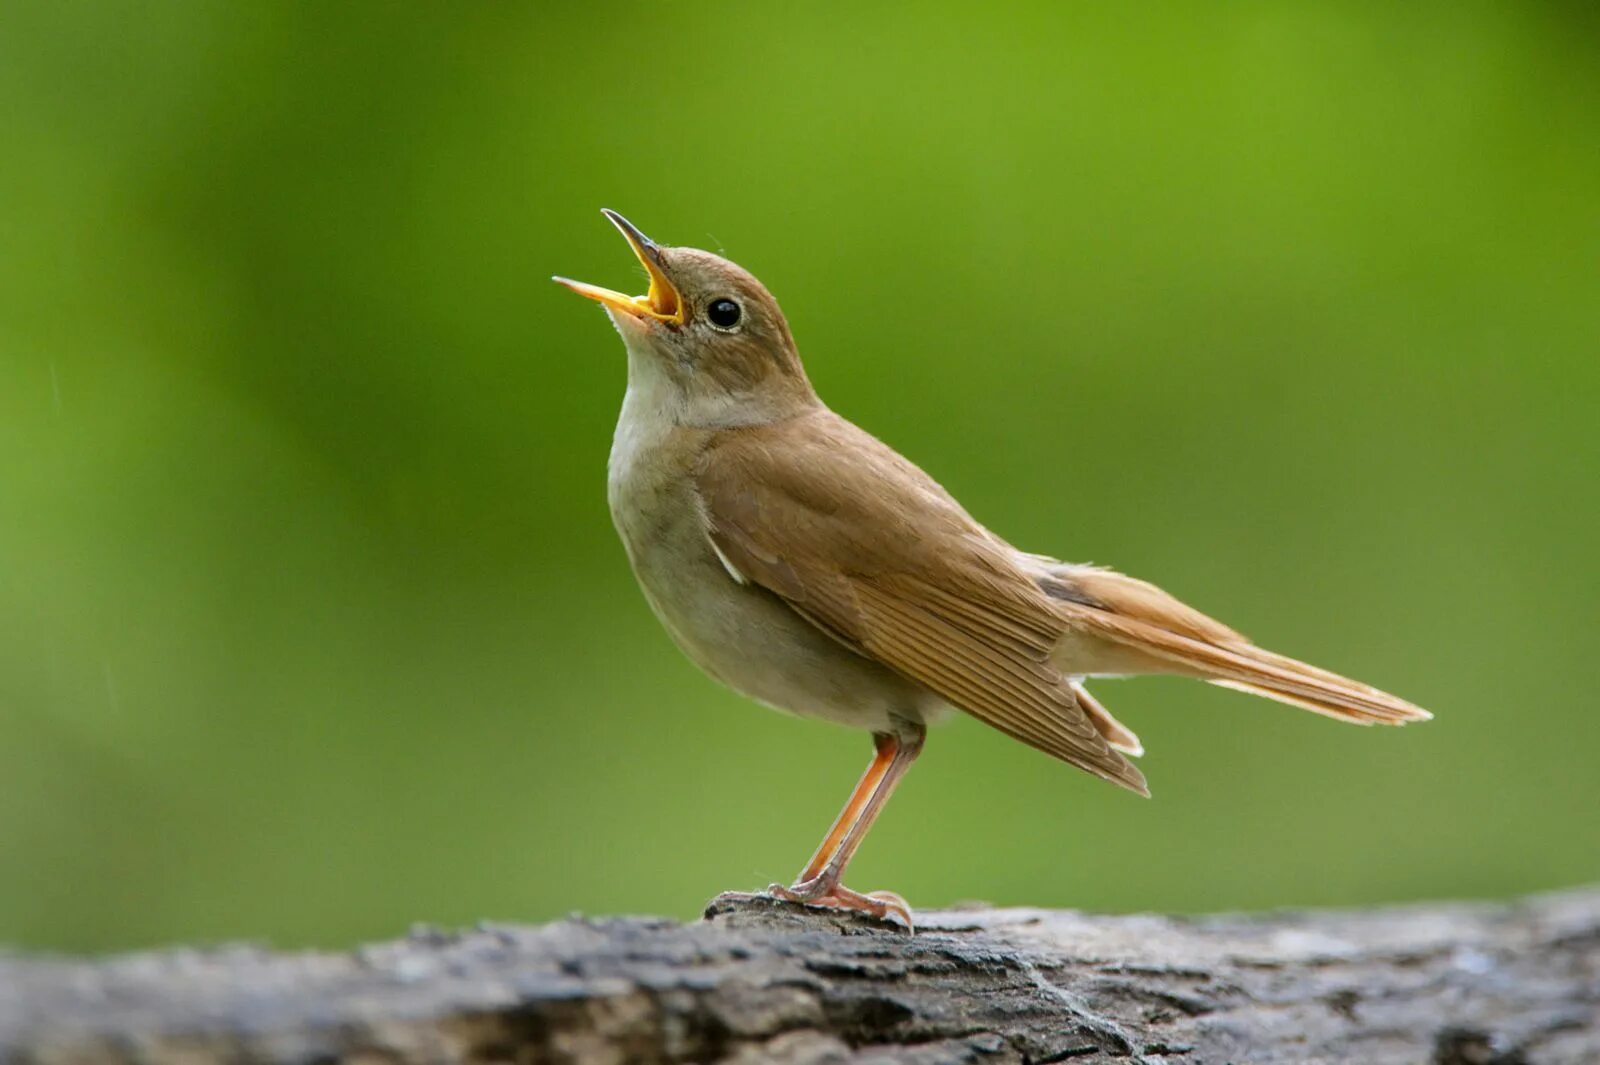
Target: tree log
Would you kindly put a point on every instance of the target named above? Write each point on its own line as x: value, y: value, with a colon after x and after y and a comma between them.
x: 758, y: 980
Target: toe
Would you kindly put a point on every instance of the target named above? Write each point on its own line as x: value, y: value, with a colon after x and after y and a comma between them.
x: 895, y: 907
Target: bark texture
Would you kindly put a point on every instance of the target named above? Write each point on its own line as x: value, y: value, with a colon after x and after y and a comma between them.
x: 1451, y: 984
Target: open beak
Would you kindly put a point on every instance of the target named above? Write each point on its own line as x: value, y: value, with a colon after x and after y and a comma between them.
x: 662, y: 303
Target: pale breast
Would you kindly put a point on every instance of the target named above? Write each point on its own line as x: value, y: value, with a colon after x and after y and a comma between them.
x: 742, y: 635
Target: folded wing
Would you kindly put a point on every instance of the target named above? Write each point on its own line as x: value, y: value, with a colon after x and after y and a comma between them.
x: 864, y: 545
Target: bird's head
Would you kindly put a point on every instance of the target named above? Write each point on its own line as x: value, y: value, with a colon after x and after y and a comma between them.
x: 707, y: 338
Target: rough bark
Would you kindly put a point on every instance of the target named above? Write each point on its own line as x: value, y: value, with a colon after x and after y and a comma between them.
x: 765, y: 981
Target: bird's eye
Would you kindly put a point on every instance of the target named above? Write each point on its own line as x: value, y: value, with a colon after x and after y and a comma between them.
x: 724, y: 314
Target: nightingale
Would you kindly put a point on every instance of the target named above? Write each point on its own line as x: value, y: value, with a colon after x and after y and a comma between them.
x: 807, y: 565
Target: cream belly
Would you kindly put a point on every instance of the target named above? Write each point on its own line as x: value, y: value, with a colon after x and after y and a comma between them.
x: 741, y: 635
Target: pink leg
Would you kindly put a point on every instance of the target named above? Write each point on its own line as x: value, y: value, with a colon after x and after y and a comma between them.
x: 819, y: 884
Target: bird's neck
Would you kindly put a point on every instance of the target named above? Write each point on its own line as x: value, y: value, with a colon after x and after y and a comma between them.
x: 666, y: 395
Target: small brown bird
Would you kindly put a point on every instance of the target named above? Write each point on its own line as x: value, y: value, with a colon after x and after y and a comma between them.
x: 800, y: 561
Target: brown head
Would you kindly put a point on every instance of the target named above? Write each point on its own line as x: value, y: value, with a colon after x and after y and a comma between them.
x: 707, y: 341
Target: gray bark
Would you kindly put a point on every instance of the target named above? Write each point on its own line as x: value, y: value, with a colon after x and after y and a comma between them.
x: 765, y: 981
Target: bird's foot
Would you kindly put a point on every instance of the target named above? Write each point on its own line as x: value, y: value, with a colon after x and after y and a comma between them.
x: 883, y: 905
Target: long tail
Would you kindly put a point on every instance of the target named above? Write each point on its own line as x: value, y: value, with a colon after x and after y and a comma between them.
x: 1145, y: 619
x: 1320, y: 692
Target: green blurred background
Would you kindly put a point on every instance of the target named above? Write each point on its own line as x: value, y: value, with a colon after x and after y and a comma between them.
x: 312, y: 621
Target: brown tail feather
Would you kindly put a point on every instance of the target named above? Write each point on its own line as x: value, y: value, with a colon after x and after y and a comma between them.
x: 1263, y: 673
x: 1247, y: 667
x: 1143, y: 618
x: 1326, y: 710
x: 1333, y: 695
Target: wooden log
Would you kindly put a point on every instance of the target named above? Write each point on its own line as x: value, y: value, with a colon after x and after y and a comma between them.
x: 1450, y: 984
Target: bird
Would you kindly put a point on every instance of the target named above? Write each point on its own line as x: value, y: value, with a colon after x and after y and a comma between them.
x: 805, y: 564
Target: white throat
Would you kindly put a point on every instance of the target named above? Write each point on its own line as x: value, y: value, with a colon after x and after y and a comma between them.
x: 657, y: 400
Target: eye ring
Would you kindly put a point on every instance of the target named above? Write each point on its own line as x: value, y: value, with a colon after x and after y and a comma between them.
x: 724, y: 313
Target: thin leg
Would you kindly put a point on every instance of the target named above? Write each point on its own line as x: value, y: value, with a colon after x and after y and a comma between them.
x: 819, y: 882
x: 887, y: 745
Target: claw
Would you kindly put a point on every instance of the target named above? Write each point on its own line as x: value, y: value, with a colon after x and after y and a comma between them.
x: 884, y: 905
x: 894, y: 905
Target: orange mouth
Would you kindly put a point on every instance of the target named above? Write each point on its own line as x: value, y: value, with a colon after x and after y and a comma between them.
x: 661, y: 303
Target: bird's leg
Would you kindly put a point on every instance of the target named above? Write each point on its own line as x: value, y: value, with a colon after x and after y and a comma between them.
x: 888, y: 745
x: 819, y: 881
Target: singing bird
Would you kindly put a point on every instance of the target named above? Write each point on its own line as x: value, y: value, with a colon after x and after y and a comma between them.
x: 802, y: 562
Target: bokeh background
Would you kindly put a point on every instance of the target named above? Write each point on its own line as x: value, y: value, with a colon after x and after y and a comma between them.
x: 312, y: 621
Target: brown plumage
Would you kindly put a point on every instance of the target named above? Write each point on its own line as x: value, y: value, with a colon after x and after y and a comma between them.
x: 867, y: 547
x: 802, y: 561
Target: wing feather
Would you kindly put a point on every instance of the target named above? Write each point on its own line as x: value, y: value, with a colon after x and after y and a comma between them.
x: 1116, y: 733
x: 861, y: 543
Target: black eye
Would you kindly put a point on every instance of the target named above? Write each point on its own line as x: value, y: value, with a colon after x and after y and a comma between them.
x: 723, y: 313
